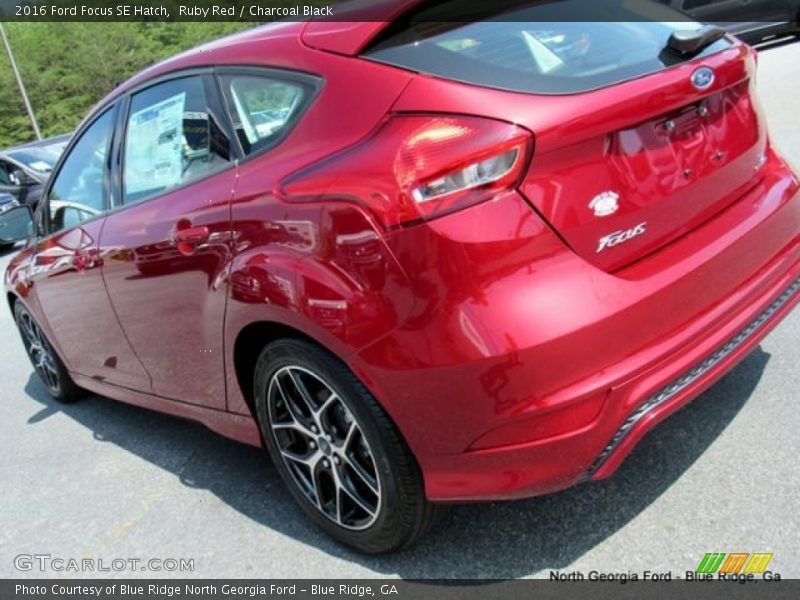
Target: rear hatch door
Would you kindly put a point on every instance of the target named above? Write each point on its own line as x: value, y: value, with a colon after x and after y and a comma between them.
x: 636, y: 145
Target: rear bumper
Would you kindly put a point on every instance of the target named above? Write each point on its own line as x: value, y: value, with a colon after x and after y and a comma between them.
x: 536, y: 377
x: 630, y: 410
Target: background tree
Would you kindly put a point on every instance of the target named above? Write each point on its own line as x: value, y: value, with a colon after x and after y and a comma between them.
x: 68, y: 67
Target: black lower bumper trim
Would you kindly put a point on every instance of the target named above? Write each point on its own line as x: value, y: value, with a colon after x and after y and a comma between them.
x: 695, y: 373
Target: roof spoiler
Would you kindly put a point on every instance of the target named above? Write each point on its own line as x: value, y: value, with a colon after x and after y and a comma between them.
x: 355, y: 24
x: 687, y: 42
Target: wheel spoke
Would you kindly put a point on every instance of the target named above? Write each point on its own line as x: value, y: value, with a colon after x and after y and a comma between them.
x: 50, y: 377
x: 338, y: 496
x: 315, y: 472
x: 362, y: 474
x: 294, y: 426
x: 348, y: 439
x: 327, y: 404
x: 28, y: 331
x: 337, y: 479
x: 49, y: 363
x: 37, y: 335
x: 294, y: 411
x: 308, y: 461
x: 355, y: 497
x: 302, y: 391
x: 43, y: 360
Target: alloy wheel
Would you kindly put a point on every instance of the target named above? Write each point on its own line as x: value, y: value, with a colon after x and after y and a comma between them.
x: 324, y: 448
x: 40, y: 352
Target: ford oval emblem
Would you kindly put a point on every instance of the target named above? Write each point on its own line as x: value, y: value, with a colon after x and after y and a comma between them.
x: 703, y: 78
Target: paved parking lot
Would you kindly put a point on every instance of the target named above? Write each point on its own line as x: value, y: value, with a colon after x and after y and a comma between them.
x: 104, y: 480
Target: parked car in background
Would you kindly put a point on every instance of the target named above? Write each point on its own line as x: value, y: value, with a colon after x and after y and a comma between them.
x: 421, y: 261
x: 25, y: 168
x: 7, y: 202
x: 754, y: 21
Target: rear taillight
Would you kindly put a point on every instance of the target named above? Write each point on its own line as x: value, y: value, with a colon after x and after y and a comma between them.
x: 417, y: 167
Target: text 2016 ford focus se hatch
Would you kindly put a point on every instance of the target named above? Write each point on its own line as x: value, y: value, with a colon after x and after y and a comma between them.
x: 420, y: 261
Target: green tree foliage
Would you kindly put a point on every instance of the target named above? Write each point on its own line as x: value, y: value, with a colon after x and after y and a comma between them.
x: 68, y: 67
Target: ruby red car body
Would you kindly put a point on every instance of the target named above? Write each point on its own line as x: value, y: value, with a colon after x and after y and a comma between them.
x: 514, y: 358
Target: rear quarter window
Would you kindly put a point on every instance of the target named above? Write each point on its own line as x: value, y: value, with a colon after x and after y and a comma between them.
x: 265, y: 108
x: 522, y: 46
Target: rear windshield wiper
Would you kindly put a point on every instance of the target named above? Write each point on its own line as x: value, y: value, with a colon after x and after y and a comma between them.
x: 687, y: 42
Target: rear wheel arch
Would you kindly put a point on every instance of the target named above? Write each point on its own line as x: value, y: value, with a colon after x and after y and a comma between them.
x: 255, y: 336
x: 249, y: 343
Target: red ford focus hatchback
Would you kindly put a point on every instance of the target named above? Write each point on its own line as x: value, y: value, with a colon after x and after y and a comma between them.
x: 421, y: 262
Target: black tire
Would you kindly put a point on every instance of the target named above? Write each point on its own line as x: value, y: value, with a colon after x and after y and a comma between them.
x: 46, y: 362
x: 401, y: 512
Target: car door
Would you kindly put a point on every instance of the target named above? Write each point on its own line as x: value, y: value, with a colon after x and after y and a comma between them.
x: 65, y: 271
x: 168, y: 240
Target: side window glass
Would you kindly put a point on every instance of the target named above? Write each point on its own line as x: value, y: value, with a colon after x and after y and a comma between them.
x: 79, y: 186
x: 263, y: 108
x: 173, y: 138
x: 5, y: 178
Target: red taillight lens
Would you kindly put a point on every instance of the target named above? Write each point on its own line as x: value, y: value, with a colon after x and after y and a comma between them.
x: 417, y: 167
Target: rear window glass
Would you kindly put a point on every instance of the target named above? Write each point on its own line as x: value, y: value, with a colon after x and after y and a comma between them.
x: 526, y: 49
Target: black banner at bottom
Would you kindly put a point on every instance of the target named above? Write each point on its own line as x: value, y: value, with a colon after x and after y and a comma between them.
x: 388, y: 589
